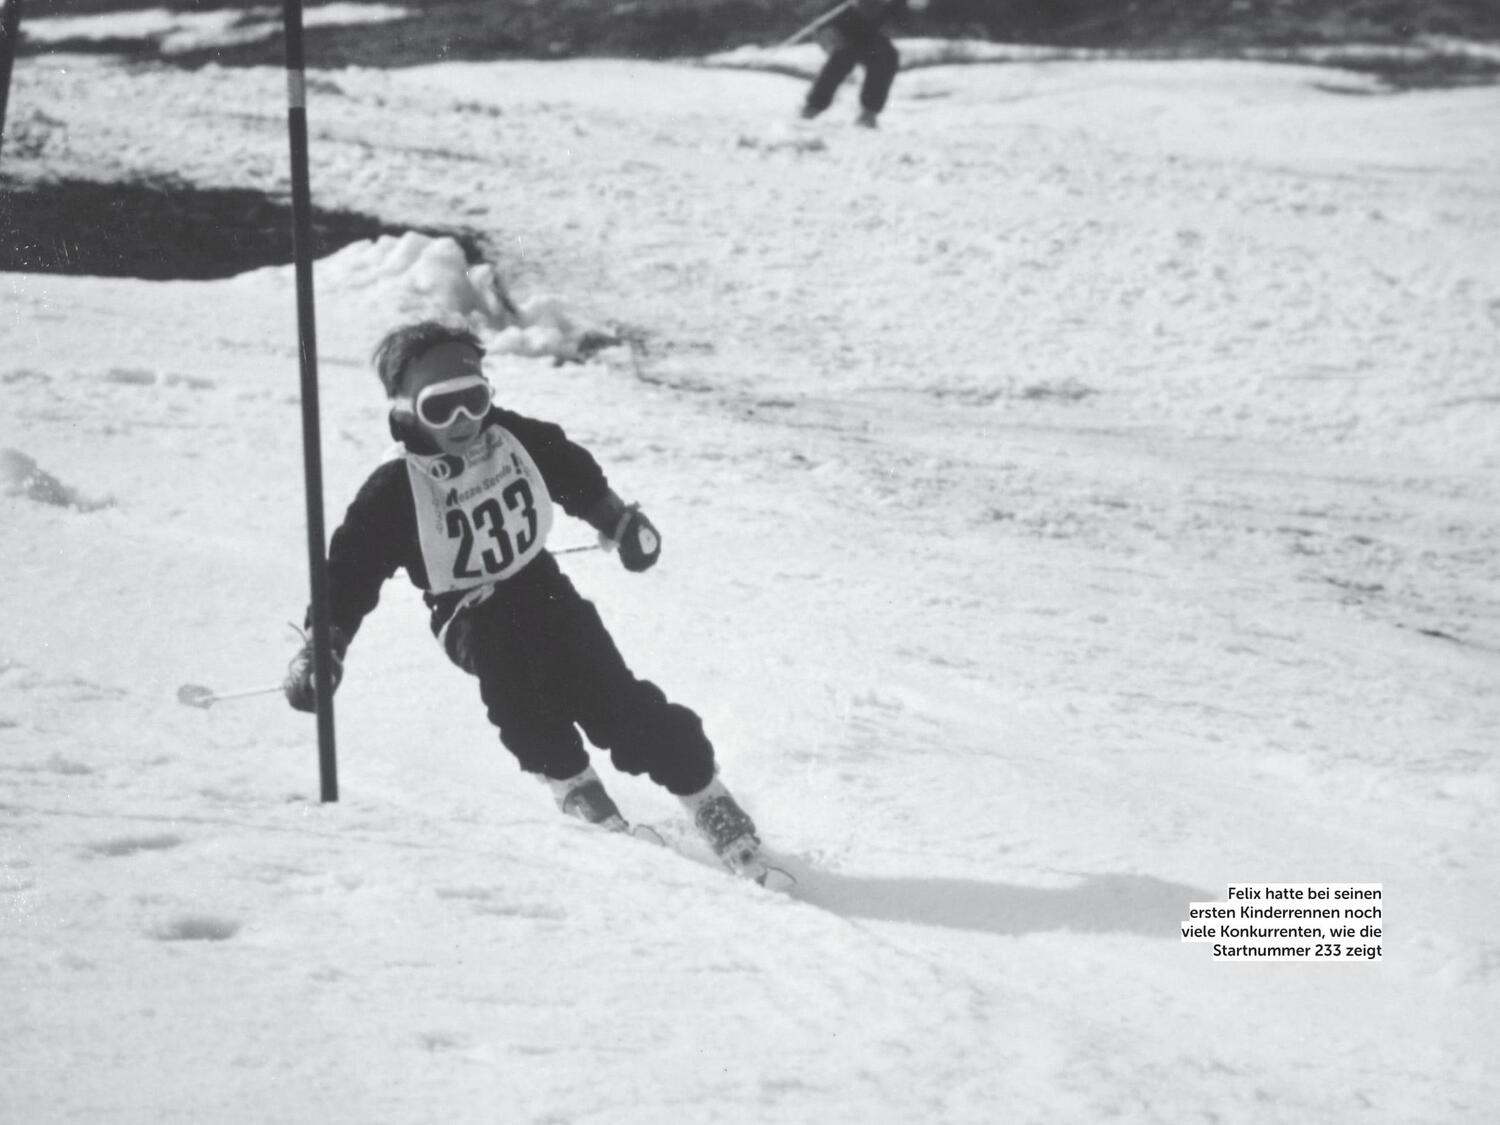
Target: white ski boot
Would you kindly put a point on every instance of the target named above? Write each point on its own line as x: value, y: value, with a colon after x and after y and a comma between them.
x: 583, y: 796
x: 727, y: 829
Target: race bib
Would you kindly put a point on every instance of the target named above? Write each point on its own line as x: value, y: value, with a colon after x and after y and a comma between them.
x: 481, y: 516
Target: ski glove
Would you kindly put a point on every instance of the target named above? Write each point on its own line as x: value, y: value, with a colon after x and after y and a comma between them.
x: 624, y: 528
x: 298, y: 686
x: 637, y: 540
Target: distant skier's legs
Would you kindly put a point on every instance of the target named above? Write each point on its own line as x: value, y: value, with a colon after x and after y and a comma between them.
x: 881, y: 61
x: 838, y: 66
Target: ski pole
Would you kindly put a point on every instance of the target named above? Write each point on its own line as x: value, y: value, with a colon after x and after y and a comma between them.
x: 826, y: 17
x: 196, y: 695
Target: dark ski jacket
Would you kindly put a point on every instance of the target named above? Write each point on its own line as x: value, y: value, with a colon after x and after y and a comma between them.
x: 864, y: 16
x: 379, y: 534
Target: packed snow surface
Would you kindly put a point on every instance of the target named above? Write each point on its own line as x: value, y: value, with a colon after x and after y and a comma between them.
x: 1078, y: 495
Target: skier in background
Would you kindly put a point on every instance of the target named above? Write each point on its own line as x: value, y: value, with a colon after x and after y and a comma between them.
x: 464, y: 503
x: 854, y: 38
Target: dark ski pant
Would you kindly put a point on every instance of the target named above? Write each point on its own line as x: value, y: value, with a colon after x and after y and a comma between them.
x: 547, y: 666
x: 859, y: 44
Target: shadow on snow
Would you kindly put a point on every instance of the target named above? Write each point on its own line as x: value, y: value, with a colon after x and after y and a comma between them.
x: 1130, y: 904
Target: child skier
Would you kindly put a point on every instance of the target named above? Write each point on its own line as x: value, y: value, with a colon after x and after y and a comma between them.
x: 464, y: 504
x: 854, y: 38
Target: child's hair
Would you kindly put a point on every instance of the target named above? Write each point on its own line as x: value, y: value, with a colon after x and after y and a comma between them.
x: 402, y: 345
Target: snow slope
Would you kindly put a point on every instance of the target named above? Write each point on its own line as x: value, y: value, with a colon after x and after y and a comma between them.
x: 1077, y: 496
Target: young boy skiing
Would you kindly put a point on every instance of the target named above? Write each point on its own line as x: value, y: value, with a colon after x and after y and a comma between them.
x: 464, y: 504
x: 854, y: 38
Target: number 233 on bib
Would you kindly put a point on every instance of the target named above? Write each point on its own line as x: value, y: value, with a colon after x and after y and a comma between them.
x: 481, y: 517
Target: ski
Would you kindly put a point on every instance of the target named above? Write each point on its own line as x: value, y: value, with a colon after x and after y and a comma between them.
x: 748, y: 863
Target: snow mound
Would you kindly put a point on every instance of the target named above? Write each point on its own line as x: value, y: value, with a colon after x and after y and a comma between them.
x: 545, y: 327
x: 419, y: 277
x: 414, y: 276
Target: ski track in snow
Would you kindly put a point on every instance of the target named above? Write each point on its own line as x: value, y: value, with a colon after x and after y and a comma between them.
x: 1076, y: 497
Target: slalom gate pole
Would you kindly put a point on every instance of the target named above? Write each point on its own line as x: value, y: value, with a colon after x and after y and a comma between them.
x: 10, y: 32
x: 302, y: 251
x: 826, y: 17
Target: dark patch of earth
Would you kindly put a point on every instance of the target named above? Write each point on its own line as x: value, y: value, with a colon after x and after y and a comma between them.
x: 166, y: 229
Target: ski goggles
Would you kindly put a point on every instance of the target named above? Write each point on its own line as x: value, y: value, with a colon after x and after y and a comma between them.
x: 440, y: 404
